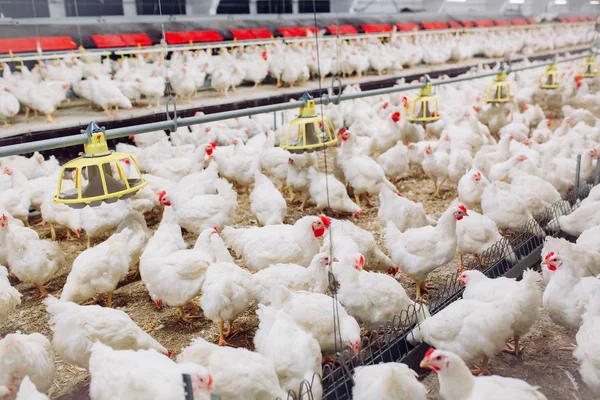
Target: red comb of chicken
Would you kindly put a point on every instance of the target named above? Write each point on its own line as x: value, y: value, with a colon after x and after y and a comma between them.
x: 385, y: 105
x: 126, y: 161
x: 462, y: 271
x: 463, y: 208
x: 361, y: 260
x: 326, y: 220
x: 396, y: 116
x: 169, y: 354
x: 343, y: 131
x: 431, y: 350
x: 161, y: 195
x: 549, y: 256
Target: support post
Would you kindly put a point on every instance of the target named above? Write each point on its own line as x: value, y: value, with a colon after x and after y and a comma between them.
x: 577, y: 175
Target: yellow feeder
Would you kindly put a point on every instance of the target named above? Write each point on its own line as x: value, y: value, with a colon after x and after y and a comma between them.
x: 424, y: 107
x: 499, y: 90
x: 309, y: 132
x: 589, y: 67
x: 100, y: 166
x: 550, y: 80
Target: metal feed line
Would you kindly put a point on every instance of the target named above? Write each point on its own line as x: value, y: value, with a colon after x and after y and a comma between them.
x: 172, y: 123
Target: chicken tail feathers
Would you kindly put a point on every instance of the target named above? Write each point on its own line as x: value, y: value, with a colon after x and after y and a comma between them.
x: 279, y: 296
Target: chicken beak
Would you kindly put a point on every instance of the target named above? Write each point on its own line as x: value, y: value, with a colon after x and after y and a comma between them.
x: 466, y: 214
x: 335, y: 259
x: 545, y: 262
x: 425, y: 363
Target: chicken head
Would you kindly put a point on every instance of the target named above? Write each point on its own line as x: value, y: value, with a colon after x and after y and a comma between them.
x: 435, y: 360
x: 320, y: 225
x: 461, y: 212
x: 164, y: 199
x: 552, y: 261
x: 3, y: 221
x: 353, y: 345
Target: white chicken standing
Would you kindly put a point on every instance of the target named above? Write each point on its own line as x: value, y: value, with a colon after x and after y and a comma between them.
x: 266, y: 202
x: 457, y: 382
x: 261, y: 247
x: 76, y: 328
x: 326, y: 191
x: 10, y: 297
x: 404, y: 213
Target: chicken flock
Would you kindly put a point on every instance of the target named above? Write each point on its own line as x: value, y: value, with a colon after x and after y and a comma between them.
x: 110, y: 85
x: 507, y: 163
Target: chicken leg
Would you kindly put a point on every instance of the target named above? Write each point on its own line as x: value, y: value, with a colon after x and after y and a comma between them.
x: 222, y: 341
x: 514, y: 349
x: 43, y: 291
x: 109, y: 300
x: 459, y: 257
x: 230, y: 329
x: 570, y: 347
x: 291, y: 195
x: 483, y: 369
x: 357, y: 199
x: 52, y: 232
x: 279, y: 81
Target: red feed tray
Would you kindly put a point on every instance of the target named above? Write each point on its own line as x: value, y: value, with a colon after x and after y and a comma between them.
x: 519, y: 22
x: 454, y: 25
x: 126, y: 40
x: 21, y: 45
x: 483, y: 23
x: 430, y: 26
x: 408, y: 26
x: 297, y: 31
x: 193, y: 36
x: 378, y: 28
x: 501, y: 22
x: 467, y: 24
x: 343, y: 29
x: 251, y: 34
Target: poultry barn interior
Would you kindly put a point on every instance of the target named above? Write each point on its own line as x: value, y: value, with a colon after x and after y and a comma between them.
x: 299, y: 200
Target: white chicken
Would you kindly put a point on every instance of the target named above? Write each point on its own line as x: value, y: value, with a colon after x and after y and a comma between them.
x: 76, y: 328
x: 313, y: 278
x: 326, y: 191
x: 293, y: 364
x: 387, y: 381
x: 523, y: 298
x: 26, y: 355
x: 418, y: 251
x: 470, y: 328
x: 261, y: 247
x: 235, y: 371
x: 457, y: 382
x: 28, y: 391
x: 10, y: 297
x: 226, y: 293
x: 98, y: 270
x: 313, y: 311
x: 149, y: 375
x: 588, y: 344
x: 402, y: 212
x: 266, y: 202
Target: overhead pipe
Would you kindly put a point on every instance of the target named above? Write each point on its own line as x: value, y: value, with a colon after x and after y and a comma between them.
x: 174, y: 122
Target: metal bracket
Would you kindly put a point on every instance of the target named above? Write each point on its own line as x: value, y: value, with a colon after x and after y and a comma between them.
x: 187, y: 387
x: 338, y: 96
x: 174, y: 119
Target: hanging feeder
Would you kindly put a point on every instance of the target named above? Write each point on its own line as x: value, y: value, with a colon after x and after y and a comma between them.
x: 310, y: 131
x: 424, y: 107
x: 550, y: 80
x: 589, y: 69
x: 107, y: 181
x: 499, y: 89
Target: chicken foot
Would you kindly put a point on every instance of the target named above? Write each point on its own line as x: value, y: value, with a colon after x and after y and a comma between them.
x: 222, y: 341
x: 52, y: 232
x: 89, y: 241
x: 513, y: 349
x: 230, y: 329
x: 109, y: 300
x: 43, y: 291
x: 184, y: 317
x: 570, y: 347
x: 291, y: 195
x: 483, y: 369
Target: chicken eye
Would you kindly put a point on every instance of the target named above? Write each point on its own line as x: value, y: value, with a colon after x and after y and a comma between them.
x: 438, y: 358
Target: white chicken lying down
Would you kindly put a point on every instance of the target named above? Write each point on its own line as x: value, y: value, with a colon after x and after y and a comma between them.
x: 149, y: 375
x: 76, y: 328
x: 10, y: 297
x: 31, y: 260
x: 313, y: 312
x: 587, y: 352
x: 315, y: 278
x: 387, y: 381
x: 99, y: 270
x: 523, y: 298
x: 235, y: 371
x: 26, y: 355
x: 419, y: 251
x: 584, y: 217
x: 349, y: 238
x: 457, y: 382
x: 261, y: 247
x: 266, y: 202
x: 470, y: 328
x: 226, y: 293
x: 585, y: 260
x: 404, y: 213
x: 28, y: 391
x: 293, y: 364
x: 374, y: 298
x: 566, y: 294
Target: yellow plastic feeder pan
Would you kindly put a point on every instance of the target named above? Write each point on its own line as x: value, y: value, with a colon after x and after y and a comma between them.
x: 589, y: 67
x: 550, y: 80
x: 107, y: 180
x: 424, y: 108
x: 499, y: 89
x: 310, y: 131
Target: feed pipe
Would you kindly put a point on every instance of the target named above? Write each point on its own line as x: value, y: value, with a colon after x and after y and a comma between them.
x: 172, y: 123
